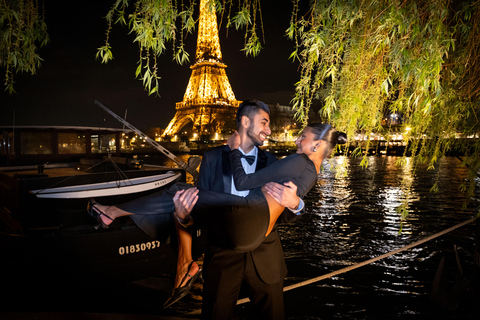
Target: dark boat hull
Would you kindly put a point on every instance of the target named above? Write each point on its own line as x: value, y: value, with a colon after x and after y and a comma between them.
x: 55, y: 243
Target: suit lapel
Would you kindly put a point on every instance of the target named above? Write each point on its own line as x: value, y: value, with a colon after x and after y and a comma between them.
x: 261, y: 160
x: 226, y: 171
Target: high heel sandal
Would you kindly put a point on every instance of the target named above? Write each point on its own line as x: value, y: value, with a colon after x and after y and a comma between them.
x: 96, y: 213
x: 180, y: 292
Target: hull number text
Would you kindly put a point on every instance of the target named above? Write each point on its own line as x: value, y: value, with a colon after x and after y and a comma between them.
x: 135, y: 248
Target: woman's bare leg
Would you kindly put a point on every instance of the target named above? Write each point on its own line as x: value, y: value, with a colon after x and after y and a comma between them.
x: 275, y: 211
x: 184, y: 255
x: 184, y: 201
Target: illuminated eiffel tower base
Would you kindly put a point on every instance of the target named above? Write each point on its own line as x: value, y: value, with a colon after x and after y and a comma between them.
x: 209, y: 104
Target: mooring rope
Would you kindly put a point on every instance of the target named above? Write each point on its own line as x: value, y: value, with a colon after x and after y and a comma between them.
x: 361, y: 264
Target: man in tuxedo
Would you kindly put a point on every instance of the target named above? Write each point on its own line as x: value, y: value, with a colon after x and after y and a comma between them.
x: 263, y: 269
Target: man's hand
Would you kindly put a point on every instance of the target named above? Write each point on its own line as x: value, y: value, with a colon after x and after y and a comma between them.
x: 285, y: 195
x: 184, y: 201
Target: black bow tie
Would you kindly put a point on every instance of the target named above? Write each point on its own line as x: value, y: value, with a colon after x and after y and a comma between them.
x: 250, y: 159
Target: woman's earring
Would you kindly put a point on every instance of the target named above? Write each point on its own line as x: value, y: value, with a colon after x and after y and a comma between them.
x: 314, y: 149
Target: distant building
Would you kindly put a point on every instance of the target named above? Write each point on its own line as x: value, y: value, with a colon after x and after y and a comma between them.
x: 392, y: 119
x: 282, y: 123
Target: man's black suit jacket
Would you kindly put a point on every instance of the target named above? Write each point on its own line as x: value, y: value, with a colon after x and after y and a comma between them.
x: 216, y: 175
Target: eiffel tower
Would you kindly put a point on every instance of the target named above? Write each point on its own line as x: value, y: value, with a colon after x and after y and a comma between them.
x: 209, y: 103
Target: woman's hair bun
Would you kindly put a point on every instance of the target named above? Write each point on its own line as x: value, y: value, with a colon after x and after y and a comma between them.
x: 341, y: 138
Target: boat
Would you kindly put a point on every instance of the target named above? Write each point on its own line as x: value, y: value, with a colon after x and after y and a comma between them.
x: 47, y: 237
x: 108, y: 188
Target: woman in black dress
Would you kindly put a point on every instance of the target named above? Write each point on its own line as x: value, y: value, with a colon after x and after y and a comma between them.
x: 243, y: 221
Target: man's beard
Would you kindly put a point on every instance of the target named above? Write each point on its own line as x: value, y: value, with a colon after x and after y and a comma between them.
x: 255, y: 138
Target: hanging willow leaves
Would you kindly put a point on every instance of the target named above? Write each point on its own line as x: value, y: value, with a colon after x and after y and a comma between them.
x: 367, y: 59
x: 362, y: 59
x: 158, y: 23
x: 22, y: 31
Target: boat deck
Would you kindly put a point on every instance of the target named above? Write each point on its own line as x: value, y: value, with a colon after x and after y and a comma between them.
x: 59, y: 170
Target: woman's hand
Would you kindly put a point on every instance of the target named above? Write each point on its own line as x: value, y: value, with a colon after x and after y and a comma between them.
x: 184, y: 201
x: 234, y: 141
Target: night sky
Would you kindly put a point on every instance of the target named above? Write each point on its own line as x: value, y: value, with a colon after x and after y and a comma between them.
x: 70, y: 79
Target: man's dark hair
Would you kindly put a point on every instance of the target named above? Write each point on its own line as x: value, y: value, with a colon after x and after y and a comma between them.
x: 250, y: 108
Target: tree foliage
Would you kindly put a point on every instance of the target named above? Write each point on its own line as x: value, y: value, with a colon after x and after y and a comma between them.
x: 366, y: 59
x: 22, y: 31
x: 156, y: 23
x: 363, y: 59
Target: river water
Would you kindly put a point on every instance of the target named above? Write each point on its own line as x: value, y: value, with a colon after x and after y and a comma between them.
x: 351, y: 216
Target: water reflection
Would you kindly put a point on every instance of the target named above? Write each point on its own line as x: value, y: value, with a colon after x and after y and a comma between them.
x: 163, y: 160
x: 353, y: 216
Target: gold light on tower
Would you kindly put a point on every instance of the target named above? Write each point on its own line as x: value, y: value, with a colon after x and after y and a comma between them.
x: 209, y: 103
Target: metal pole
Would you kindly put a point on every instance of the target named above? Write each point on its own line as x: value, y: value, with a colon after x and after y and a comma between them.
x: 152, y: 142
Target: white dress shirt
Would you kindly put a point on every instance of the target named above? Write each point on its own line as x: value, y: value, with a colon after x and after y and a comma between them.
x: 248, y: 169
x: 251, y: 169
